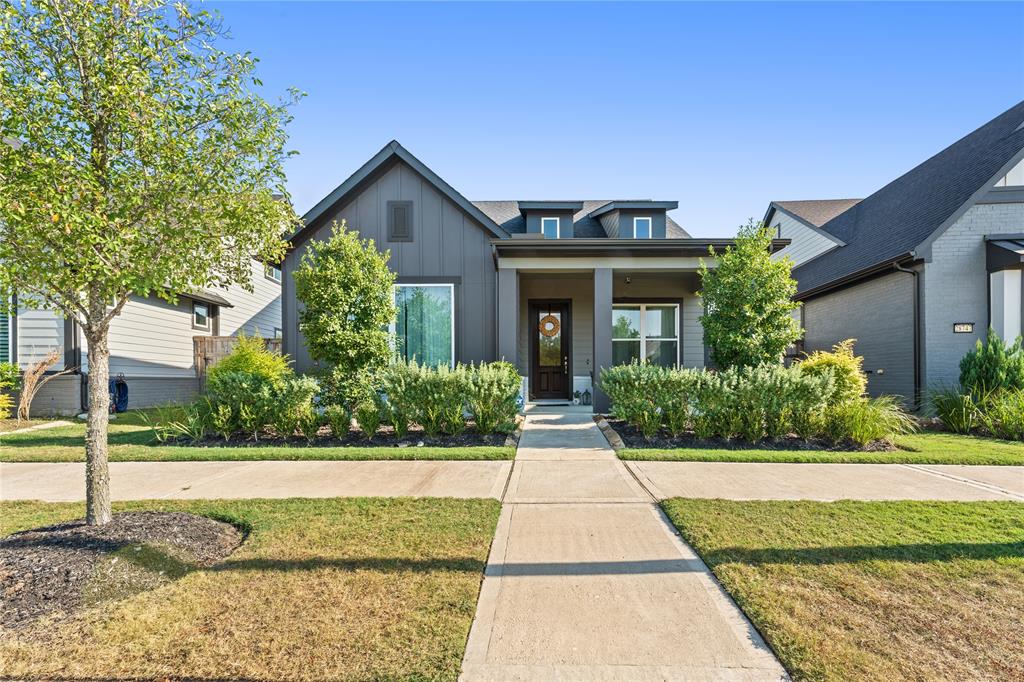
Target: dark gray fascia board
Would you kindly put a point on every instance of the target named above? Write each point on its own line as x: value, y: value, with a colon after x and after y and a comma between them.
x: 616, y: 247
x: 391, y: 150
x: 550, y: 206
x: 806, y: 223
x: 857, y: 277
x: 634, y: 205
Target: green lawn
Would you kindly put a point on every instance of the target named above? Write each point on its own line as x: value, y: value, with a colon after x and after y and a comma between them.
x: 132, y: 441
x: 919, y: 448
x: 321, y: 589
x: 872, y: 590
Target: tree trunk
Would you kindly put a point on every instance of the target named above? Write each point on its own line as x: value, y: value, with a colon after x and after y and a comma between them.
x: 97, y: 473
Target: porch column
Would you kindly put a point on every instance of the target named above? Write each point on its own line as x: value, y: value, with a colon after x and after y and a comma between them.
x: 602, y: 332
x: 508, y: 314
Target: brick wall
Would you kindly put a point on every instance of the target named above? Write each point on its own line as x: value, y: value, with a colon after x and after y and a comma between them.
x: 956, y: 287
x: 878, y: 313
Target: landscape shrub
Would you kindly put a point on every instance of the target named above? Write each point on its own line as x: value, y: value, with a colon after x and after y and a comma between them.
x: 293, y: 408
x: 867, y: 420
x: 958, y: 411
x: 753, y: 403
x: 492, y: 389
x: 850, y: 382
x: 399, y: 382
x: 367, y: 415
x: 10, y: 377
x: 251, y: 397
x: 1001, y: 413
x: 992, y: 366
x: 339, y: 419
x: 251, y: 356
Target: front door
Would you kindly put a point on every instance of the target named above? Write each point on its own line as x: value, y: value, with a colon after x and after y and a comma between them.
x: 550, y: 359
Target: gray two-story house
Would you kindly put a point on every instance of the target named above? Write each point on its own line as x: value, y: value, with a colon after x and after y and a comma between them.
x: 559, y: 288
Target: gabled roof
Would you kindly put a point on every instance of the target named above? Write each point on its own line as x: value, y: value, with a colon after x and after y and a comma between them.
x: 381, y: 160
x: 585, y: 225
x: 814, y: 212
x: 907, y: 214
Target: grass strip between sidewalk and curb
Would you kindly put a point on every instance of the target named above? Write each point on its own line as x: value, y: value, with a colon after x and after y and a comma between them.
x: 872, y: 590
x: 358, y: 588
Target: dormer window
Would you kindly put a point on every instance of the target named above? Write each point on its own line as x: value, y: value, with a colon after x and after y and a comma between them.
x: 549, y: 228
x: 642, y: 228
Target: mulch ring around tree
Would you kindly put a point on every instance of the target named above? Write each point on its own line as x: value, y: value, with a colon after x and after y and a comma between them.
x: 632, y: 438
x: 60, y: 569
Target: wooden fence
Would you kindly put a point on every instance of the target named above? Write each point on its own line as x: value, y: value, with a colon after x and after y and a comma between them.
x: 207, y: 350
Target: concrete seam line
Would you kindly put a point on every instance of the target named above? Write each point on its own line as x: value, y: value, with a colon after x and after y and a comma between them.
x: 625, y: 465
x: 508, y: 479
x: 966, y: 481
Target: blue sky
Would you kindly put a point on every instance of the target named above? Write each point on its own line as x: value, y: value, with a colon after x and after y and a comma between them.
x: 722, y: 107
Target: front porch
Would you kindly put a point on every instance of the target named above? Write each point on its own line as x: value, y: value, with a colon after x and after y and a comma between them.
x: 561, y: 325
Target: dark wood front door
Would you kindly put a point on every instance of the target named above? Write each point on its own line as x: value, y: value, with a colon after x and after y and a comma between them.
x: 550, y: 343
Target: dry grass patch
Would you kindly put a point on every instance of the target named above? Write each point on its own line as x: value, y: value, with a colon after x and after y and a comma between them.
x: 322, y: 589
x: 872, y: 590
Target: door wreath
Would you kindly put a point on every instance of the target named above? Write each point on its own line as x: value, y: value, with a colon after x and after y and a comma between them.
x: 549, y: 325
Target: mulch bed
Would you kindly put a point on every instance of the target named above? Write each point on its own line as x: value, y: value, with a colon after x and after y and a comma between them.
x: 632, y: 438
x: 384, y: 438
x: 59, y: 569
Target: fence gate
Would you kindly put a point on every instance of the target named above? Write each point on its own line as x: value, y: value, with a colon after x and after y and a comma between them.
x: 208, y: 350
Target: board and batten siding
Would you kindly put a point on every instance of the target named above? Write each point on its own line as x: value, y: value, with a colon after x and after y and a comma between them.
x: 879, y: 314
x: 446, y: 245
x: 806, y: 243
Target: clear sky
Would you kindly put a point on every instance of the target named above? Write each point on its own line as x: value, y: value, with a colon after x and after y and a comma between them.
x: 722, y: 107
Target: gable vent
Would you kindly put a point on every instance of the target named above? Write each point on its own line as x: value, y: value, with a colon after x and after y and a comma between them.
x: 399, y: 221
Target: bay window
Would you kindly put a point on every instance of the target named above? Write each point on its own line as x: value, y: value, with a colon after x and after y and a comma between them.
x: 645, y: 331
x: 425, y: 327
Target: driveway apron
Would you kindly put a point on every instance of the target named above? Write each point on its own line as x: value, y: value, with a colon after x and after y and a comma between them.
x: 587, y: 580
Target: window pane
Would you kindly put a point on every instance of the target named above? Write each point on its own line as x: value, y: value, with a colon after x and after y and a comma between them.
x: 626, y: 322
x: 549, y: 226
x: 625, y: 352
x: 549, y: 338
x: 423, y: 329
x: 662, y: 353
x: 642, y: 227
x: 200, y: 315
x: 660, y: 322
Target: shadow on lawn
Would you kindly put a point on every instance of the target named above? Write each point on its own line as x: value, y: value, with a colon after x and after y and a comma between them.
x: 387, y: 565
x: 914, y: 553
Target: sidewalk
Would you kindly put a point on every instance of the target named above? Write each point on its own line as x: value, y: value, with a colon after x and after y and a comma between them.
x: 588, y: 581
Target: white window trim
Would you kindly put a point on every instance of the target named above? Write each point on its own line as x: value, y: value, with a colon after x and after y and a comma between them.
x: 268, y: 272
x: 650, y: 227
x: 643, y: 338
x: 209, y: 316
x: 393, y: 326
x: 558, y: 226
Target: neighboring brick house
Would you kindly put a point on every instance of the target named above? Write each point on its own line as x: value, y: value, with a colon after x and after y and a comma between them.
x: 918, y: 271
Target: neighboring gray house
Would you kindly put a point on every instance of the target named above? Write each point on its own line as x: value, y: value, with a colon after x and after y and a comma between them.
x: 559, y: 288
x: 920, y: 269
x: 150, y: 341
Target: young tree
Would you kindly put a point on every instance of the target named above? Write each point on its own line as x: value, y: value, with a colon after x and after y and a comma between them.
x: 136, y: 159
x: 748, y: 301
x: 348, y: 295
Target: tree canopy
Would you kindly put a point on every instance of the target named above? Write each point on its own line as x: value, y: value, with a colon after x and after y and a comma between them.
x: 748, y: 302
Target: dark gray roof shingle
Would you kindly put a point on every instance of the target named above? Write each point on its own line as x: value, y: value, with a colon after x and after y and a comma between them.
x: 817, y: 211
x: 507, y: 215
x: 898, y: 218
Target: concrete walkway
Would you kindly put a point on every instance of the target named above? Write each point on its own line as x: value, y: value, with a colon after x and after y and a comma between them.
x: 588, y: 581
x: 239, y: 480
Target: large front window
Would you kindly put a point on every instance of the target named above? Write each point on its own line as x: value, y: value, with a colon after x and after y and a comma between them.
x: 425, y: 327
x: 645, y: 331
